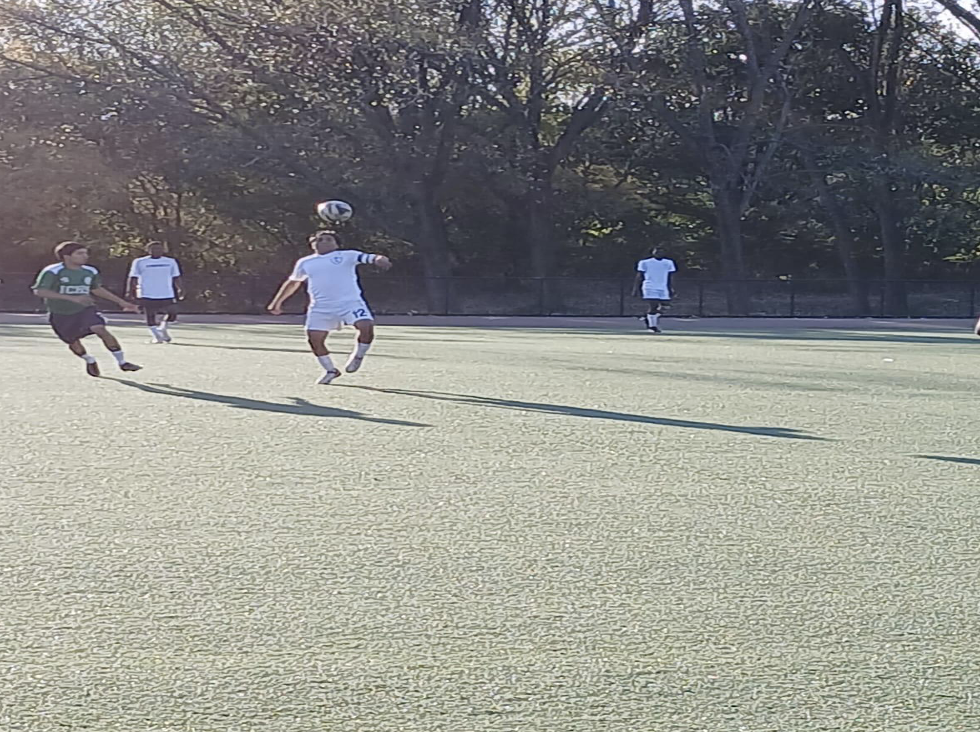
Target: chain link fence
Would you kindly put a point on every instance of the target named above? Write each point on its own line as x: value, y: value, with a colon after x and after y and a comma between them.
x: 565, y: 296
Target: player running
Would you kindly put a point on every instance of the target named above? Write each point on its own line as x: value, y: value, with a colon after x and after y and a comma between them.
x: 335, y: 298
x: 67, y: 289
x: 155, y: 279
x: 653, y: 281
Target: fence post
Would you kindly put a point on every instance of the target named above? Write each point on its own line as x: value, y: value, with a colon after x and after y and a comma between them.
x: 448, y: 285
x: 622, y: 297
x: 700, y: 298
x: 792, y: 298
x: 973, y: 300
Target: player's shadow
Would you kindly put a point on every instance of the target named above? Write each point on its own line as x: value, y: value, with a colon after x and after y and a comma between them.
x: 298, y: 408
x: 947, y: 459
x: 521, y: 406
x: 242, y: 348
x: 288, y: 350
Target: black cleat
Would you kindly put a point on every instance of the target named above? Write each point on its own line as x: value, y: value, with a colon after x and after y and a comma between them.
x: 92, y: 369
x: 129, y: 366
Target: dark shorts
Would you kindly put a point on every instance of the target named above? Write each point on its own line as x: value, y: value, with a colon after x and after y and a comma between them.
x: 152, y: 307
x: 71, y: 328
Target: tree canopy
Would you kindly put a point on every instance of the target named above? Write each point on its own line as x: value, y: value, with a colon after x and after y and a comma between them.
x: 754, y: 139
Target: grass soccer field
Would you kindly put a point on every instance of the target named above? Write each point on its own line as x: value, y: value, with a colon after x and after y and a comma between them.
x: 734, y: 526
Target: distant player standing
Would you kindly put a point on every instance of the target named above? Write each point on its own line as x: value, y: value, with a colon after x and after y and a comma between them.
x: 653, y: 284
x: 335, y: 298
x: 155, y: 279
x: 67, y: 289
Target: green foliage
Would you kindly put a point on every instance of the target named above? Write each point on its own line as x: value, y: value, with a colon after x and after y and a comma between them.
x: 473, y: 138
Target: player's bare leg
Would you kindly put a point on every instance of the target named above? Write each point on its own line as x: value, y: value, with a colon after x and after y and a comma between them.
x: 114, y: 348
x: 167, y: 318
x: 365, y: 337
x: 153, y: 325
x: 91, y: 367
x: 318, y: 344
x: 653, y: 315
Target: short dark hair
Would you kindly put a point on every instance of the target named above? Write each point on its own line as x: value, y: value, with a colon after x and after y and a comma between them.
x: 155, y: 244
x: 321, y: 232
x: 67, y: 248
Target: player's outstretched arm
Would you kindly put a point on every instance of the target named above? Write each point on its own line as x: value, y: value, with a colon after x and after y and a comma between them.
x: 286, y: 291
x: 112, y: 297
x: 381, y: 262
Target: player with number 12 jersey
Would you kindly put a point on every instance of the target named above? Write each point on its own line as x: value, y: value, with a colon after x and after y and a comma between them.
x: 330, y: 274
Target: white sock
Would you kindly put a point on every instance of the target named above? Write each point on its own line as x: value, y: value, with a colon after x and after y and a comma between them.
x: 118, y: 355
x: 163, y: 326
x: 655, y: 320
x: 651, y: 323
x: 362, y: 348
x: 88, y: 358
x: 157, y: 332
x: 326, y: 362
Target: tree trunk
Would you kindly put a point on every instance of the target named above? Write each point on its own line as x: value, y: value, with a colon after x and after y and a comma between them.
x: 539, y: 235
x: 726, y: 201
x: 892, y: 249
x: 857, y: 288
x: 432, y: 240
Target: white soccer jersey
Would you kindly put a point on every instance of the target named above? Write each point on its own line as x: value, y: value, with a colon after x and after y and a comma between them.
x: 656, y: 273
x: 155, y: 277
x: 331, y: 279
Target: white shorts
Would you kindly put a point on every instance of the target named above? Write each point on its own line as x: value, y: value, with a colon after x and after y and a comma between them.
x: 333, y: 319
x: 650, y: 293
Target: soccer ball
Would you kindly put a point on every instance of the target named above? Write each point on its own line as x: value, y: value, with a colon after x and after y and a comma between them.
x: 335, y: 211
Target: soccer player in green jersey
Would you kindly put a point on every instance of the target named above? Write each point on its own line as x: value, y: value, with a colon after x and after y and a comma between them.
x: 67, y: 289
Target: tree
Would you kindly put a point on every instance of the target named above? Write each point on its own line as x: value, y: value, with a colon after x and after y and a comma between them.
x: 547, y: 70
x: 723, y: 117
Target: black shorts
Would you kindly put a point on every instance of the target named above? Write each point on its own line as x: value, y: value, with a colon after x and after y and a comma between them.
x: 153, y: 306
x: 76, y: 326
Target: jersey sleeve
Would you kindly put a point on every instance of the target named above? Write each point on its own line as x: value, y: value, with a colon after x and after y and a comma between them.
x: 299, y: 272
x: 363, y: 258
x: 134, y: 270
x: 96, y: 280
x: 671, y: 267
x: 175, y: 269
x: 641, y: 266
x: 46, y: 280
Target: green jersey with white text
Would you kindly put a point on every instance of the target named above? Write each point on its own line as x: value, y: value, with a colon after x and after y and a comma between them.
x: 67, y: 281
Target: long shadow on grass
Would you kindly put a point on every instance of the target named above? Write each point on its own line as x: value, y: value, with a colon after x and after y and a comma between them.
x: 946, y: 459
x: 299, y: 407
x: 288, y: 350
x: 836, y: 335
x: 521, y: 406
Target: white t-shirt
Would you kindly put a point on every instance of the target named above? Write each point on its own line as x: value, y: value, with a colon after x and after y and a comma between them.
x: 331, y: 279
x: 155, y: 277
x: 656, y: 272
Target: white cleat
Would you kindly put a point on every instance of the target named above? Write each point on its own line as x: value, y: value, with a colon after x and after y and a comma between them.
x: 328, y: 377
x: 156, y: 341
x: 353, y: 363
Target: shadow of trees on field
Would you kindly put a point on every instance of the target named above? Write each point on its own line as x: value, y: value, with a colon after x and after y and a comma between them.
x: 298, y: 407
x: 587, y: 413
x: 947, y: 459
